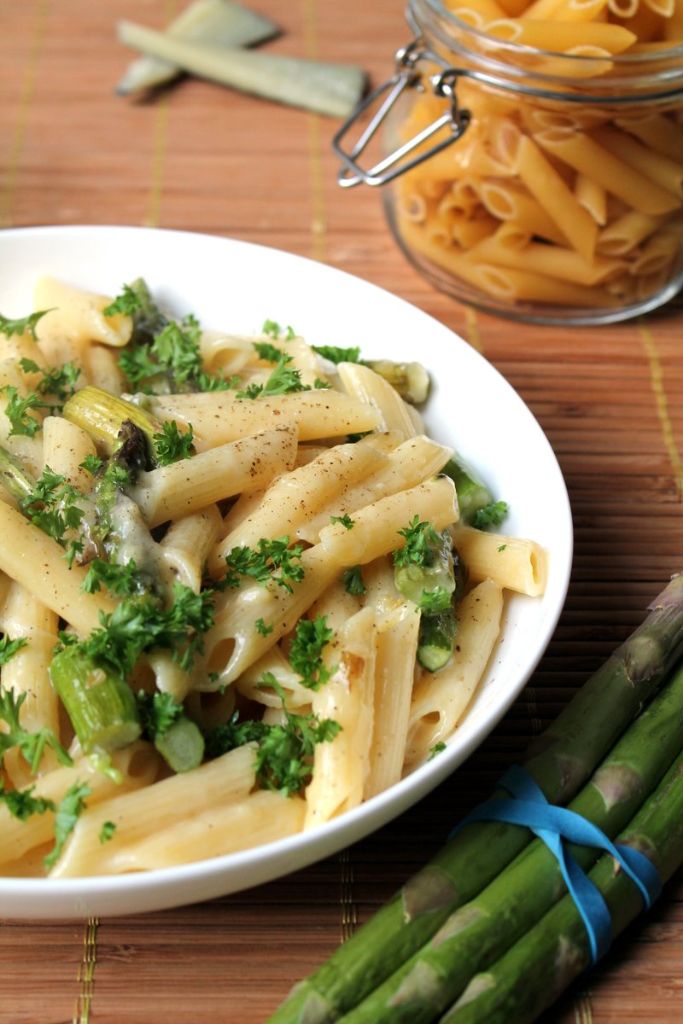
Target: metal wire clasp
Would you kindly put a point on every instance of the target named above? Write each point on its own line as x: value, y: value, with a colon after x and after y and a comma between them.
x: 407, y: 76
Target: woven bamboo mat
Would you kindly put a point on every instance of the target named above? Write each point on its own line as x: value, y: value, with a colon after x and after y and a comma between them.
x: 610, y: 400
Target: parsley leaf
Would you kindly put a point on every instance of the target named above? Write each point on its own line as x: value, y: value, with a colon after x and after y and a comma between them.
x: 93, y: 463
x: 67, y: 814
x: 353, y: 580
x: 107, y: 831
x: 434, y: 601
x: 30, y: 744
x: 345, y: 521
x: 129, y: 302
x: 271, y: 560
x: 22, y: 804
x: 283, y: 381
x: 490, y: 515
x: 121, y: 580
x: 18, y: 410
x: 305, y: 653
x: 421, y: 540
x: 173, y: 351
x: 270, y: 353
x: 273, y: 329
x: 24, y: 326
x: 263, y: 627
x: 52, y: 507
x: 8, y: 648
x: 59, y: 382
x: 338, y: 355
x: 436, y: 749
x: 171, y: 445
x: 158, y: 711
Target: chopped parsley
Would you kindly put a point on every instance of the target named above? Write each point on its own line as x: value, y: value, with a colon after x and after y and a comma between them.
x: 338, y: 355
x: 27, y: 325
x: 269, y: 352
x: 284, y: 753
x: 434, y: 601
x: 31, y: 745
x: 52, y: 507
x: 282, y: 381
x: 22, y: 804
x: 490, y: 515
x: 263, y: 627
x: 8, y: 648
x: 173, y: 352
x: 59, y: 382
x: 138, y: 624
x: 436, y: 749
x: 18, y: 411
x: 420, y: 541
x: 129, y: 302
x: 271, y: 560
x: 273, y: 330
x: 501, y: 547
x: 171, y: 445
x: 158, y: 712
x: 345, y: 521
x: 120, y: 580
x: 353, y: 580
x: 93, y: 463
x: 66, y: 815
x: 107, y: 831
x: 311, y: 636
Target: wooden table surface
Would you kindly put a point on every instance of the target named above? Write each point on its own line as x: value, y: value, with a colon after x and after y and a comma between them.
x: 610, y: 400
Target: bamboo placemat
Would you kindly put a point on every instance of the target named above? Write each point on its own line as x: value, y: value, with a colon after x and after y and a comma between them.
x: 609, y: 399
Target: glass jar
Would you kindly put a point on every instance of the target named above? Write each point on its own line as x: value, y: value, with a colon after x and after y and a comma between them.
x: 540, y: 185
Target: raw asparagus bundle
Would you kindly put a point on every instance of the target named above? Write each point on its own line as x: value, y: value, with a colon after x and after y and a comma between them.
x: 534, y: 972
x: 483, y: 929
x: 560, y: 761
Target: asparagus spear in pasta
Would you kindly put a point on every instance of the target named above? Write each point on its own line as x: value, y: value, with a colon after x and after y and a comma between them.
x: 14, y: 479
x: 177, y: 738
x: 475, y: 501
x: 102, y: 415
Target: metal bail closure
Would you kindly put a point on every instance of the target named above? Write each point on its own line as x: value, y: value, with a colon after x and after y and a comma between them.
x: 407, y: 76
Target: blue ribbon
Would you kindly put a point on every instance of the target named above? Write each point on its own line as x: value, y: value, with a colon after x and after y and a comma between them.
x: 555, y: 825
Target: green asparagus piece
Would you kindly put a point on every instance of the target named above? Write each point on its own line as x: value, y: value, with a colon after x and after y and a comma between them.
x: 435, y: 643
x: 102, y: 416
x: 13, y: 477
x: 560, y: 761
x: 534, y: 972
x: 411, y: 380
x: 483, y: 929
x: 427, y: 577
x: 205, y: 21
x: 182, y: 745
x: 473, y: 495
x: 99, y: 703
x: 325, y: 88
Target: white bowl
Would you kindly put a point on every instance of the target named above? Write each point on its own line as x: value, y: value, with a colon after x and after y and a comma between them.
x: 235, y: 286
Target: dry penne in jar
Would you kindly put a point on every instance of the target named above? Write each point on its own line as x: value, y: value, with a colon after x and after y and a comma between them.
x: 561, y: 199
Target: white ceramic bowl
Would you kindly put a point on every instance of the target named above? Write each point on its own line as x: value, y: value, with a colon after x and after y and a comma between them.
x: 235, y: 286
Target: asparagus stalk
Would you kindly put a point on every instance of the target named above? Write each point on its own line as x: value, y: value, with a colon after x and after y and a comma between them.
x: 483, y: 929
x: 548, y: 958
x: 411, y: 380
x: 473, y: 495
x: 102, y: 415
x: 323, y: 87
x: 100, y: 704
x: 205, y: 21
x: 436, y: 639
x: 560, y: 762
x: 181, y: 745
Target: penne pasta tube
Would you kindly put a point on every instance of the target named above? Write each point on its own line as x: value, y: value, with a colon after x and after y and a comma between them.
x: 397, y: 638
x: 77, y: 316
x: 217, y: 418
x: 274, y: 662
x: 37, y: 561
x: 441, y: 699
x: 511, y: 562
x: 294, y: 498
x: 625, y: 233
x: 587, y: 156
x: 186, y: 545
x: 256, y: 819
x: 654, y: 166
x: 562, y: 36
x: 592, y: 197
x: 553, y: 261
x: 138, y: 765
x: 102, y: 369
x: 146, y: 811
x: 183, y: 487
x: 363, y: 384
x: 65, y: 446
x: 340, y: 767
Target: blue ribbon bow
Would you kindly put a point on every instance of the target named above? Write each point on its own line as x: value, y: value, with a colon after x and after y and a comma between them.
x: 554, y: 825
